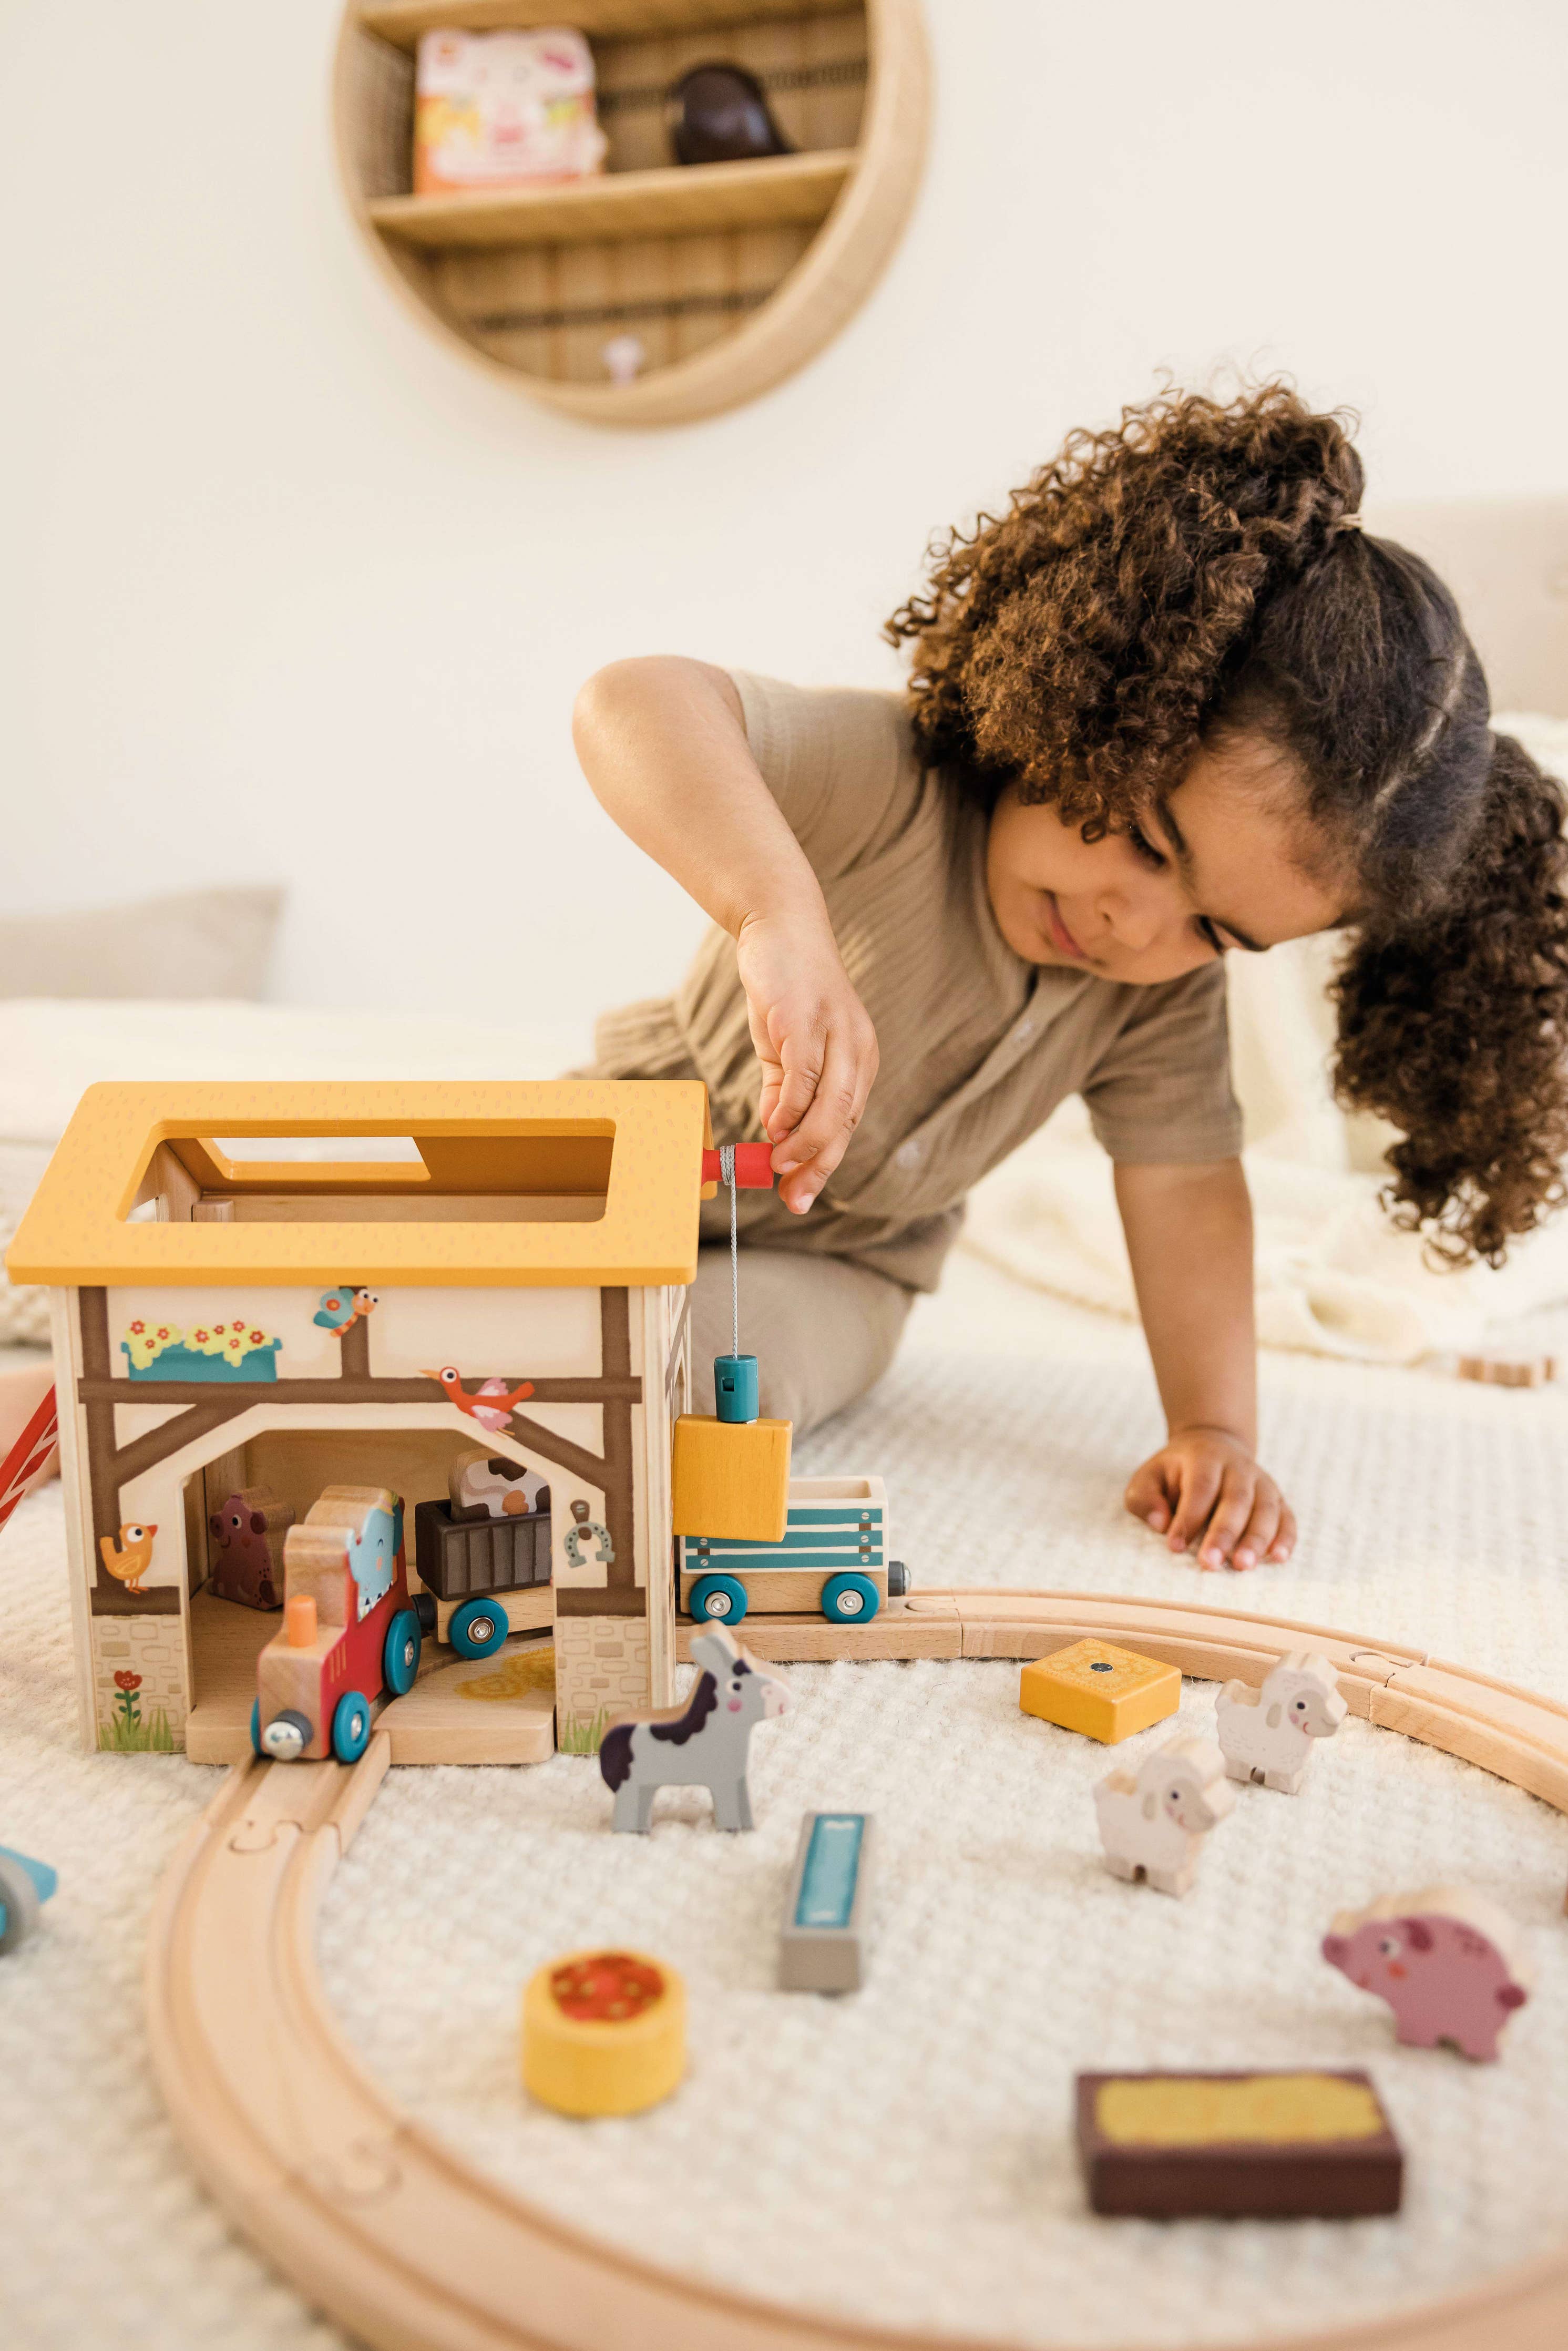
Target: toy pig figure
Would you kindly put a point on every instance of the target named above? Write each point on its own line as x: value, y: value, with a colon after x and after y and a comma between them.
x: 1451, y: 1965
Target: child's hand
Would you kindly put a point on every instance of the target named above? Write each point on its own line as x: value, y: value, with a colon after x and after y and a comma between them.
x: 816, y: 1044
x: 1203, y: 1488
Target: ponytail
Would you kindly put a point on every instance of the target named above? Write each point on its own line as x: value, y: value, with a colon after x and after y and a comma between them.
x: 1454, y: 1026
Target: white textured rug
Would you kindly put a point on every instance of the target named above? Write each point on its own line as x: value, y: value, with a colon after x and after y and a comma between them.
x: 903, y: 2156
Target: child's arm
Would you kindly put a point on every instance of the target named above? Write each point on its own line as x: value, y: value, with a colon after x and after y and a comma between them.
x: 1190, y: 1236
x: 662, y: 744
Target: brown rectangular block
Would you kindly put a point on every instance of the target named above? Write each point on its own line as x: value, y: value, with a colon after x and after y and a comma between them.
x: 1309, y: 2145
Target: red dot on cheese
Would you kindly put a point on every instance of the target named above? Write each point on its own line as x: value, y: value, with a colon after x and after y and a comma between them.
x: 608, y: 1986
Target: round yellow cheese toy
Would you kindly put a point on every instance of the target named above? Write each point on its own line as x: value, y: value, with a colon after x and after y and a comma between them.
x: 604, y: 2032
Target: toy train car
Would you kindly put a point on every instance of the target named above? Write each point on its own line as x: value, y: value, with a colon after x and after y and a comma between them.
x: 833, y: 1558
x: 484, y: 1556
x: 350, y: 1637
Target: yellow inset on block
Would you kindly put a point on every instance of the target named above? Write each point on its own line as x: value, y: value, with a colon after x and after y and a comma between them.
x: 1105, y: 1692
x: 604, y: 2032
x: 731, y: 1477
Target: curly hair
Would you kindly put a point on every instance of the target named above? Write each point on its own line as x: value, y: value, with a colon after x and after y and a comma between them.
x: 1199, y: 572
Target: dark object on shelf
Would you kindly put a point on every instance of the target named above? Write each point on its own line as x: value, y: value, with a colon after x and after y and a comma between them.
x: 1311, y: 2144
x: 718, y: 114
x: 457, y: 1557
x: 839, y: 73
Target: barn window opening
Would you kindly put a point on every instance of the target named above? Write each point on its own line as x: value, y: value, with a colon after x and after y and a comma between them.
x: 552, y: 1174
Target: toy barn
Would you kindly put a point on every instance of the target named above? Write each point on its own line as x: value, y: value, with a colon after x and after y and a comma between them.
x: 468, y: 1300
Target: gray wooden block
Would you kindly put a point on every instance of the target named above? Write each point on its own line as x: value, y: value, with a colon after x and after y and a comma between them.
x: 819, y: 1941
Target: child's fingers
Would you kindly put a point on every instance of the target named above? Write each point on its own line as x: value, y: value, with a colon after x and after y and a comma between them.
x: 1261, y: 1527
x: 802, y: 1062
x: 1200, y: 1482
x: 1229, y: 1518
x: 1284, y: 1541
x: 813, y: 1149
x: 772, y: 1087
x: 1149, y: 1493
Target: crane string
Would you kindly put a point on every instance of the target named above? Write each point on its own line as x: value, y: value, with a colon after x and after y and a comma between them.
x: 726, y: 1169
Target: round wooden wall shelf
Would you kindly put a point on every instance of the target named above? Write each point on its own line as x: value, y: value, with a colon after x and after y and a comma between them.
x: 729, y: 275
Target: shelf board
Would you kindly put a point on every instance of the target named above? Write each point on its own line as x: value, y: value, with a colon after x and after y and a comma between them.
x: 403, y: 21
x: 678, y: 201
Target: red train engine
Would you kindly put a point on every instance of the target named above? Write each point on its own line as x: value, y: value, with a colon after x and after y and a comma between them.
x: 350, y: 1637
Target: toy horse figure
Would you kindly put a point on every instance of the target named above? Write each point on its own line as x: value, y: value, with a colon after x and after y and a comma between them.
x: 702, y: 1744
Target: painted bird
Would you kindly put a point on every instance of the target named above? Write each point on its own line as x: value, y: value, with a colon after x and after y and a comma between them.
x: 493, y: 1403
x: 132, y: 1557
x: 343, y: 1306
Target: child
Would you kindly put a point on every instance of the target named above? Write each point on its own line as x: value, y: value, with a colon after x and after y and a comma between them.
x: 1173, y: 703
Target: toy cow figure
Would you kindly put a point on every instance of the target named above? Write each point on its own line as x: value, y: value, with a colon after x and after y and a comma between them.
x: 1266, y: 1734
x: 484, y: 1485
x: 1451, y: 1964
x: 246, y: 1556
x: 1153, y: 1822
x: 703, y: 1743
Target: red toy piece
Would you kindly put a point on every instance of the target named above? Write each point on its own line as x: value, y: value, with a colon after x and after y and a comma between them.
x: 28, y: 1456
x: 753, y: 1167
x: 350, y: 1637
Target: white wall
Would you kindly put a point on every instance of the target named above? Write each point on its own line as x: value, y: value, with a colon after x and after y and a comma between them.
x: 297, y: 592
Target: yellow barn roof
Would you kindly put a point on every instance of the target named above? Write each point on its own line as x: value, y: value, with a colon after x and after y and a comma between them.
x: 573, y: 1182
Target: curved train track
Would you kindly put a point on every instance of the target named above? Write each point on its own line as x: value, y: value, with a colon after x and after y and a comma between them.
x: 378, y: 2223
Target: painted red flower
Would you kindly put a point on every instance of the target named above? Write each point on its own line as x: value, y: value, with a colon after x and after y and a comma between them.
x: 257, y: 1337
x: 137, y: 1328
x: 128, y: 1681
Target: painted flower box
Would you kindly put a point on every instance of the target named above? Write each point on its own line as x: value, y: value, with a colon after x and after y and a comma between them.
x: 223, y: 1351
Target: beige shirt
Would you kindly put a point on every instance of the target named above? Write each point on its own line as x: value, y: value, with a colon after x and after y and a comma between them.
x: 977, y: 1046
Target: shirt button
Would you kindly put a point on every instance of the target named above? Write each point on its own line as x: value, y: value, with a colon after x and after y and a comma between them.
x: 907, y: 1154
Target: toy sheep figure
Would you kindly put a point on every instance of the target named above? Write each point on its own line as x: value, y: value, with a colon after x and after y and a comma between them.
x: 1266, y: 1734
x: 705, y: 1743
x: 1152, y: 1821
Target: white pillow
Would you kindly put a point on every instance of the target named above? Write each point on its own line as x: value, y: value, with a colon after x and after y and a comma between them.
x: 199, y: 943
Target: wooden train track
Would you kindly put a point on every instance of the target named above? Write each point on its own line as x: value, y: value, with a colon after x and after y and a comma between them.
x: 410, y: 2250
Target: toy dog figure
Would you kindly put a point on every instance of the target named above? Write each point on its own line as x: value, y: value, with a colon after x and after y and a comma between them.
x: 704, y: 1744
x: 246, y: 1557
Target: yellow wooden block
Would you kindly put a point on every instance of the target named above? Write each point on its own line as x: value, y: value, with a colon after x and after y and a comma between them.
x: 604, y: 2032
x: 731, y: 1477
x: 1105, y: 1692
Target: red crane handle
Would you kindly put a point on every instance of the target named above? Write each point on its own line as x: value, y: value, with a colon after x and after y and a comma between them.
x: 753, y: 1167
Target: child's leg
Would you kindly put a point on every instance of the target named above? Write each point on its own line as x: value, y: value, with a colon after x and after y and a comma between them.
x: 824, y: 1329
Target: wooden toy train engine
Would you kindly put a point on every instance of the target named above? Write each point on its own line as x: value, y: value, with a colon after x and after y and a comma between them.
x: 350, y: 1637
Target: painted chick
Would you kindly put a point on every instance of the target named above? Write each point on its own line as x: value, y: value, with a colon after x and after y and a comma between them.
x: 129, y: 1555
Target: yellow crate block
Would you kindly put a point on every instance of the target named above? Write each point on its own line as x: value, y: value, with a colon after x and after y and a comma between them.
x: 1105, y: 1692
x: 731, y: 1477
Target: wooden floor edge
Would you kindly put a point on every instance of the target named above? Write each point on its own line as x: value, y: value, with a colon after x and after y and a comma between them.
x: 599, y: 2294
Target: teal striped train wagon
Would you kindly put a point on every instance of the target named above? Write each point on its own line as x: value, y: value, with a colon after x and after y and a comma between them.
x: 833, y: 1558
